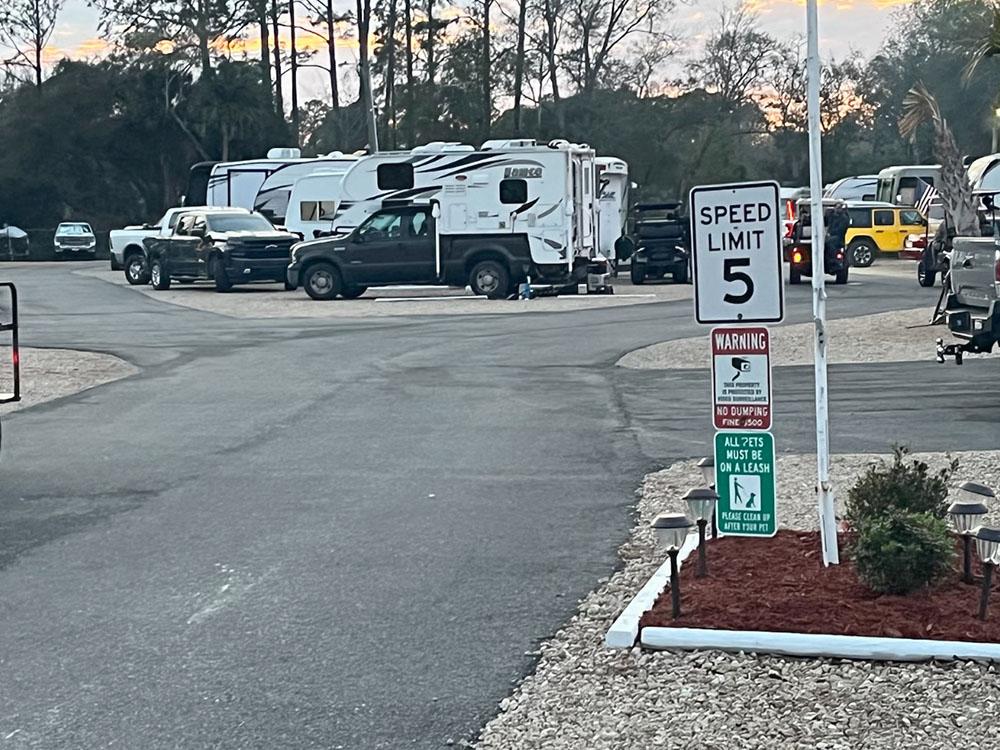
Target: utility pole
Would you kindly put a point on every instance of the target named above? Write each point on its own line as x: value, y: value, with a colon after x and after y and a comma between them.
x: 824, y: 490
x: 295, y: 74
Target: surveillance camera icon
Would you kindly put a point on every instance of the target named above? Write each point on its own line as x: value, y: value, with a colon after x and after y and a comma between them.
x: 741, y: 366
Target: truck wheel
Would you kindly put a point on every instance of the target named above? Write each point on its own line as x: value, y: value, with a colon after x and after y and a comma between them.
x: 637, y: 273
x: 841, y: 277
x: 136, y: 272
x: 794, y: 275
x: 681, y: 275
x: 322, y: 281
x: 925, y: 277
x: 353, y: 292
x: 491, y: 279
x: 221, y: 278
x: 862, y: 253
x: 159, y: 276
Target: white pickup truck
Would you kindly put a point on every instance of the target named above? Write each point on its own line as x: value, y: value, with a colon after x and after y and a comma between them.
x: 972, y: 307
x: 127, y: 250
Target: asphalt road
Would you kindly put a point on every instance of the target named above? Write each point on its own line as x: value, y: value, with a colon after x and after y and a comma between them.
x: 351, y: 534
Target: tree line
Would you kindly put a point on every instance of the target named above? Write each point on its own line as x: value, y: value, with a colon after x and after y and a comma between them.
x: 111, y: 140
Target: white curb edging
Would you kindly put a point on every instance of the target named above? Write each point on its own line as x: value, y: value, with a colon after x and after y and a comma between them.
x: 625, y: 629
x: 812, y: 645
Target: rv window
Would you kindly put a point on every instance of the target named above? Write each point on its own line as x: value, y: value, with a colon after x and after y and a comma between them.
x: 395, y: 176
x: 317, y: 210
x: 514, y: 191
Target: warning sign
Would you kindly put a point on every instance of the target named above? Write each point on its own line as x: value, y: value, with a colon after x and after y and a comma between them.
x: 741, y: 378
x: 745, y: 481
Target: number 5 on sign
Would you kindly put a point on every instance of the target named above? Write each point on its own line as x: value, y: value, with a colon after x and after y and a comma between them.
x: 736, y: 253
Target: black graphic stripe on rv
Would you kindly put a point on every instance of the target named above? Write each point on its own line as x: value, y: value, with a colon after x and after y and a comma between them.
x: 396, y: 195
x: 466, y: 160
x: 477, y: 167
x: 547, y: 211
x: 525, y: 207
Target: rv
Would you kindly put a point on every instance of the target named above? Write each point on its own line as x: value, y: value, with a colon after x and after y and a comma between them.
x: 312, y: 203
x: 511, y: 213
x: 262, y: 185
x: 905, y: 186
x: 613, y: 202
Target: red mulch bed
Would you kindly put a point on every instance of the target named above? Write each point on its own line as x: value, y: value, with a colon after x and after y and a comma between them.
x: 780, y: 585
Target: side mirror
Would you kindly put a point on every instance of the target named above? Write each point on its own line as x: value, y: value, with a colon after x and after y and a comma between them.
x: 198, y: 232
x: 358, y: 238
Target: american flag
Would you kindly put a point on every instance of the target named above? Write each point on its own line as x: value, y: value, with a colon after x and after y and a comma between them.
x: 926, y: 198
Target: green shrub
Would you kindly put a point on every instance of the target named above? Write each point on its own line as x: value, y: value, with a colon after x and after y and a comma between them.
x: 902, y: 552
x: 906, y: 486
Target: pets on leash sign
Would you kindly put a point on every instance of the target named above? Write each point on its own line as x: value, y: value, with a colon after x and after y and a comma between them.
x: 741, y: 378
x: 745, y: 481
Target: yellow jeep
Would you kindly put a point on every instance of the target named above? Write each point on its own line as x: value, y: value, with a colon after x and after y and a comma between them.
x: 879, y: 228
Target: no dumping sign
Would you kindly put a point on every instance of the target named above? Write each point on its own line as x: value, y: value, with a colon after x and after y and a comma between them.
x: 741, y: 378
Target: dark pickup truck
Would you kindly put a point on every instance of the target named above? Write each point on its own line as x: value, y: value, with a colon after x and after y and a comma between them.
x: 398, y: 246
x: 226, y: 247
x: 661, y: 239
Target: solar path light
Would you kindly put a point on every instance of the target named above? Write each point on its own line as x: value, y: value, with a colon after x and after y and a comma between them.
x: 671, y: 530
x: 988, y: 547
x: 707, y: 467
x: 701, y: 507
x: 966, y: 513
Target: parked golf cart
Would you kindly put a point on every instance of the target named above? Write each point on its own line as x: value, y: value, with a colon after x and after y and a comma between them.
x: 660, y: 236
x: 798, y: 248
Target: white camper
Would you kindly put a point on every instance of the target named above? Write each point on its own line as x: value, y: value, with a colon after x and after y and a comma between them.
x: 312, y: 203
x: 905, y: 186
x: 612, y: 207
x: 535, y: 203
x: 262, y: 185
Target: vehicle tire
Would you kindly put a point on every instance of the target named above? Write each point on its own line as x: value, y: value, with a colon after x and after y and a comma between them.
x: 115, y: 265
x: 353, y: 292
x: 136, y: 269
x: 220, y: 277
x: 322, y: 281
x: 862, y: 253
x: 159, y: 276
x: 841, y: 277
x: 491, y: 279
x: 794, y: 275
x: 637, y: 273
x: 925, y: 277
x: 681, y: 275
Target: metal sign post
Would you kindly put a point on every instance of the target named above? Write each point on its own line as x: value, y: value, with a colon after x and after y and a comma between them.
x: 827, y: 517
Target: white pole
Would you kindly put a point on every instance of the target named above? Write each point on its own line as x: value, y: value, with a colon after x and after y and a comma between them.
x: 827, y: 518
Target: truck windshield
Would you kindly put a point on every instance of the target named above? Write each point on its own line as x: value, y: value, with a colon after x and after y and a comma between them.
x: 239, y: 223
x: 74, y: 229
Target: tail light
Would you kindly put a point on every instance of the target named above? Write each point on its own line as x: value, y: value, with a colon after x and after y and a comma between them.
x: 797, y: 256
x: 790, y: 209
x: 789, y: 229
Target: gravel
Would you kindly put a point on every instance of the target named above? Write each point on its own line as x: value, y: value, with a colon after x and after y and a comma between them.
x: 271, y: 301
x: 900, y: 336
x: 48, y: 374
x: 584, y: 695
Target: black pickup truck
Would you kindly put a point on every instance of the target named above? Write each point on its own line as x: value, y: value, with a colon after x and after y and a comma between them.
x: 225, y: 247
x: 398, y: 246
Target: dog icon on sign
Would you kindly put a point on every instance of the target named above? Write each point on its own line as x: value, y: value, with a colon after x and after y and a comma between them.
x: 744, y: 492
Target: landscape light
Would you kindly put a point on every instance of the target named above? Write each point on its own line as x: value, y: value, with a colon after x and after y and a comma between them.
x: 671, y: 530
x: 988, y: 547
x: 701, y: 505
x: 973, y: 492
x: 707, y: 467
x: 966, y: 517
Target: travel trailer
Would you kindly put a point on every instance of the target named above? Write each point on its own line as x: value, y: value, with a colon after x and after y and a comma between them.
x: 905, y: 186
x: 612, y: 203
x: 262, y: 185
x: 312, y: 203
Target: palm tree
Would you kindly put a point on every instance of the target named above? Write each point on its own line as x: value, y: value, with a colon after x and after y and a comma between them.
x: 987, y: 46
x: 919, y: 107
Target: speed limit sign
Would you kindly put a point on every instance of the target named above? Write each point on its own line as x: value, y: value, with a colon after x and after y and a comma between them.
x: 736, y: 249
